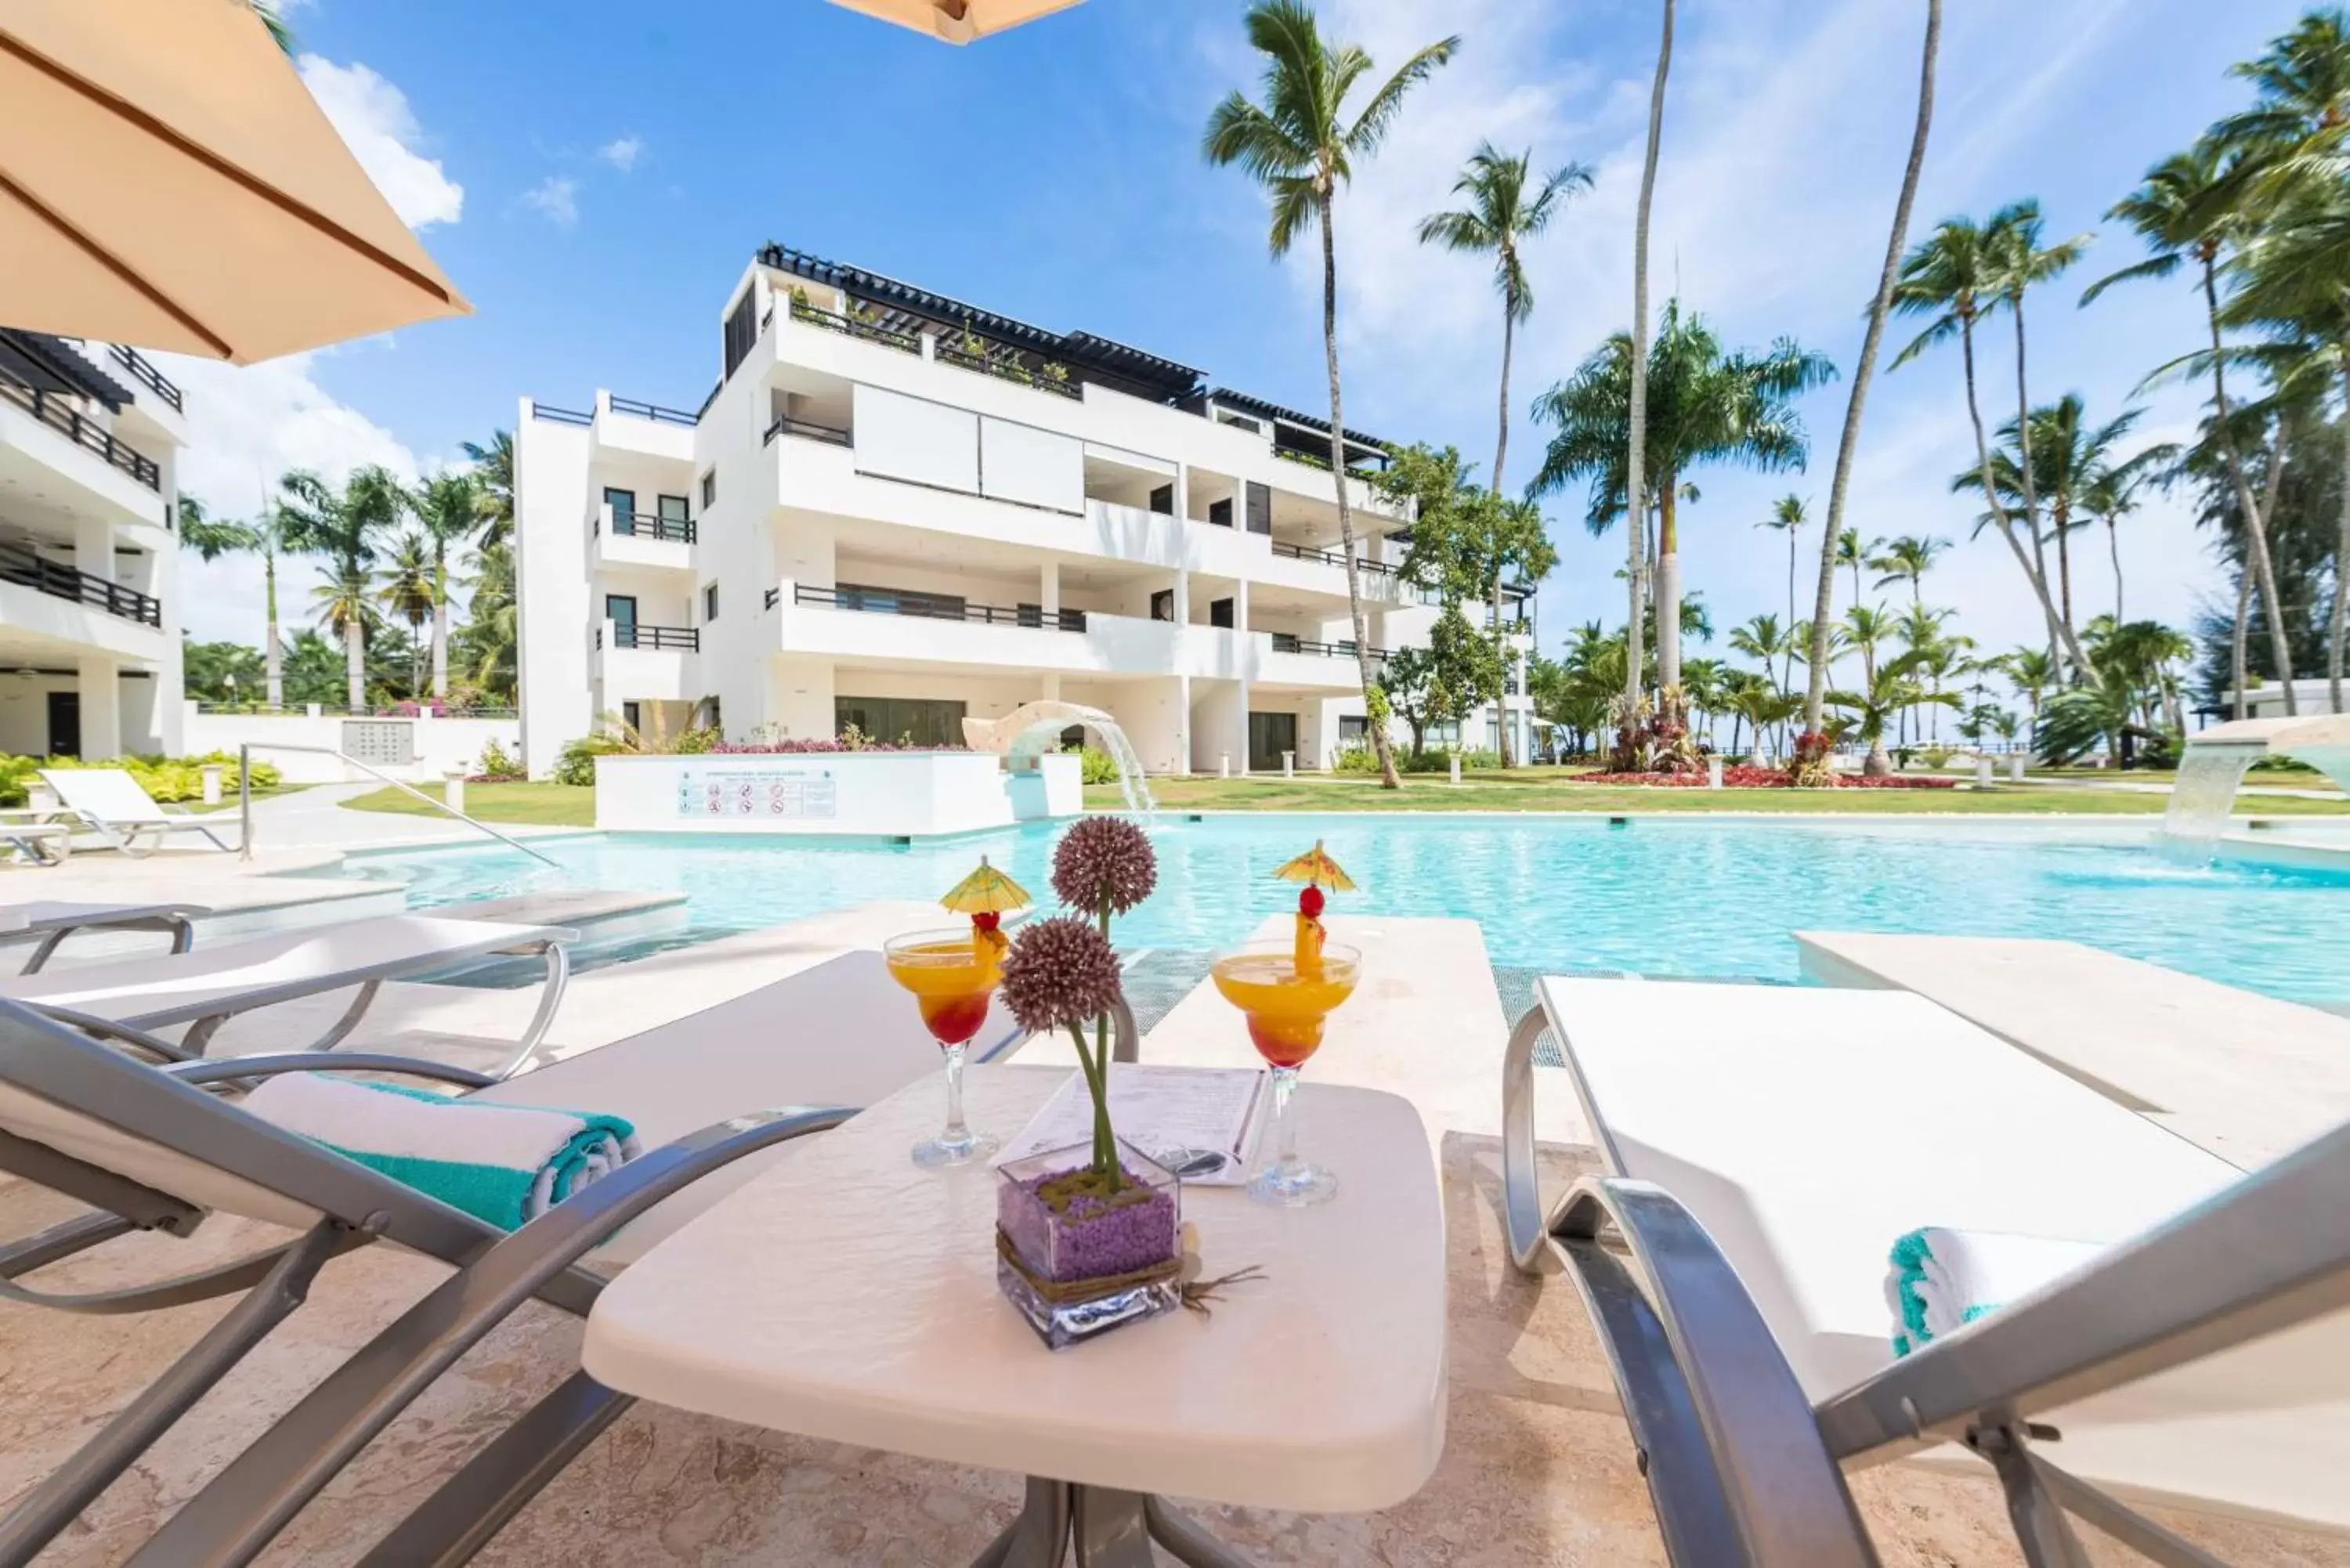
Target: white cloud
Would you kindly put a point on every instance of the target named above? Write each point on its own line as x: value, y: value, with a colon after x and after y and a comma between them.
x: 622, y: 151
x: 247, y: 425
x: 558, y: 197
x: 381, y: 130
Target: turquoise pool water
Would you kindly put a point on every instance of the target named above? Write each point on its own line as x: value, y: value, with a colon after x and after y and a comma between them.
x: 1697, y: 897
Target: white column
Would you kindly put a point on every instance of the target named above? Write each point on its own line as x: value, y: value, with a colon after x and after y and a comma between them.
x: 1183, y: 597
x: 1048, y: 587
x: 1240, y: 741
x: 94, y: 546
x: 1182, y: 709
x: 101, y: 708
x: 1182, y: 497
x: 1049, y: 688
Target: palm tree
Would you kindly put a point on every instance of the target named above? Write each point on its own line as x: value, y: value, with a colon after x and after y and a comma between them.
x: 494, y: 472
x: 1853, y: 552
x: 1498, y: 216
x: 1871, y: 341
x: 1761, y: 705
x: 447, y: 509
x: 1956, y: 275
x: 2114, y: 495
x: 409, y: 593
x: 491, y: 638
x: 1762, y: 641
x: 1908, y: 560
x: 1300, y: 147
x: 344, y: 529
x: 209, y: 537
x: 346, y: 605
x: 1787, y: 517
x: 1866, y: 626
x: 2070, y: 457
x: 1704, y: 405
x: 2019, y: 261
x: 1636, y: 401
x: 2185, y: 210
x: 2032, y: 672
x: 1887, y: 691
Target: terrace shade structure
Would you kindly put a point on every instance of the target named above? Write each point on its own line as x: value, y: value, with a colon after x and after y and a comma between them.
x: 956, y: 21
x: 166, y: 181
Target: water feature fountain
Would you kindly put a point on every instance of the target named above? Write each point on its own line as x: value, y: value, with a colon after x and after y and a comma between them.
x: 2204, y: 796
x: 1034, y: 729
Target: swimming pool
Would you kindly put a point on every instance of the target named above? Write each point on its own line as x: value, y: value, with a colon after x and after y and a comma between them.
x: 1695, y: 896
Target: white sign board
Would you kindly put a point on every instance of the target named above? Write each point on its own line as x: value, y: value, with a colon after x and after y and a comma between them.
x: 772, y: 791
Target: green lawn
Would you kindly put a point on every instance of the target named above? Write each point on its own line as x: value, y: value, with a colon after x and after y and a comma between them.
x: 1521, y: 789
x: 541, y: 804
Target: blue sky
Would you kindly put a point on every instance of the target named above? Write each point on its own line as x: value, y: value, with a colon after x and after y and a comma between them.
x: 595, y: 176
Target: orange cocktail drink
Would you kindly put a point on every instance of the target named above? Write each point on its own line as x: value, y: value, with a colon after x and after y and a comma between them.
x: 1286, y: 990
x: 953, y: 975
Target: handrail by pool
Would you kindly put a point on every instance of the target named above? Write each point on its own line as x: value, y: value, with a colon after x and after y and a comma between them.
x: 244, y: 796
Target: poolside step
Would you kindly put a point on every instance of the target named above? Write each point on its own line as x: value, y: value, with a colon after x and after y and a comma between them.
x: 597, y: 914
x: 2245, y: 1076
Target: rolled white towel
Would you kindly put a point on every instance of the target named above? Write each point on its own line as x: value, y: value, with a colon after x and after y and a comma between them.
x: 1942, y: 1280
x: 506, y: 1164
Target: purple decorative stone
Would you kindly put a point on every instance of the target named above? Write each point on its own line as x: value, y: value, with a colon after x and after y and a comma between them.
x: 1087, y: 1237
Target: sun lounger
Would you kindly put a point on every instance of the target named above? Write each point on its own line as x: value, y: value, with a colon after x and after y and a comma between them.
x: 114, y: 804
x: 204, y: 989
x: 1767, y: 1145
x: 34, y: 836
x: 712, y: 1097
x: 50, y: 923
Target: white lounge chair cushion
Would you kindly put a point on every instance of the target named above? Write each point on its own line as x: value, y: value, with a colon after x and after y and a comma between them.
x: 150, y: 1165
x: 109, y: 795
x: 840, y: 1033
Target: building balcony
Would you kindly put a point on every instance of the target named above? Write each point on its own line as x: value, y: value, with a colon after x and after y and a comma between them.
x: 642, y: 429
x: 640, y: 540
x: 878, y: 626
x: 1286, y: 661
x: 28, y: 568
x: 66, y: 609
x: 44, y: 437
x: 635, y: 663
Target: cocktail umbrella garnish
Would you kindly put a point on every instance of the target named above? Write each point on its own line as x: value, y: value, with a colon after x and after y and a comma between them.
x: 1316, y: 870
x: 986, y: 894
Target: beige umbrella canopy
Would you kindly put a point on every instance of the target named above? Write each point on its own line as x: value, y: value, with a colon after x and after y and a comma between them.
x: 166, y: 181
x: 956, y: 21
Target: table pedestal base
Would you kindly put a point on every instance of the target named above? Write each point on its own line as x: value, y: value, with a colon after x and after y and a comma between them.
x: 1112, y: 1530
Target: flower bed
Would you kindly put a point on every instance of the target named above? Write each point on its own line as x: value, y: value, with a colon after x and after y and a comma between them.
x: 791, y: 748
x: 1760, y: 778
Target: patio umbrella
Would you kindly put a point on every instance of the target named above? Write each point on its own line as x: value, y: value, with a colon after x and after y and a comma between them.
x: 166, y: 181
x: 956, y: 21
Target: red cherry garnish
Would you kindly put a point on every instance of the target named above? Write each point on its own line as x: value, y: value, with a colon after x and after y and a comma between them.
x: 986, y: 920
x: 1309, y: 902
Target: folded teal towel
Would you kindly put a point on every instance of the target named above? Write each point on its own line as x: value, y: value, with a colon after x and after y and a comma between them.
x: 1942, y: 1280
x: 502, y: 1164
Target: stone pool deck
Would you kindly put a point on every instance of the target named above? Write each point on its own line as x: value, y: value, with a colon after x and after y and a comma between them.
x: 1538, y: 1468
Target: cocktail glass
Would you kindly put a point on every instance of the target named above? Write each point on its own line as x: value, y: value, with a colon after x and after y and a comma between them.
x: 1285, y: 1003
x: 953, y: 974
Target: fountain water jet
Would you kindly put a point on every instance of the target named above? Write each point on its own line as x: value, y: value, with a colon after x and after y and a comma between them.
x: 2204, y: 796
x: 1034, y: 728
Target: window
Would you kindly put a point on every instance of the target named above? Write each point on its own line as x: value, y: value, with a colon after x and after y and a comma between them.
x: 620, y: 610
x: 709, y: 602
x: 1352, y: 728
x: 918, y: 720
x: 897, y: 601
x: 673, y: 508
x: 742, y: 329
x: 630, y: 716
x: 1220, y: 612
x: 1162, y: 605
x: 623, y: 503
x: 1220, y: 513
x: 1260, y: 507
x: 1162, y: 500
x: 710, y: 489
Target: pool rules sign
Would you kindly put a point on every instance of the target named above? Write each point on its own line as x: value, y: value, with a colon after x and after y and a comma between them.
x: 793, y: 792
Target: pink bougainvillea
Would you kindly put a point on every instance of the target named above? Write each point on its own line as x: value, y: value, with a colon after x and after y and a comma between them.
x: 1759, y: 778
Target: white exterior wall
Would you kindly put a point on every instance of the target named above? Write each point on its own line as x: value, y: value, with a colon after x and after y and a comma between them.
x: 438, y: 745
x: 70, y: 505
x: 951, y: 482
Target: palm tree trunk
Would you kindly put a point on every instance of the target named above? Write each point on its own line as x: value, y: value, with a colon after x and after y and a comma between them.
x: 2256, y: 533
x: 1635, y: 493
x: 440, y: 624
x: 1669, y: 585
x: 2114, y: 548
x: 1502, y: 451
x: 1999, y: 512
x: 2061, y: 521
x: 2024, y: 474
x: 354, y: 665
x: 1380, y: 747
x: 1788, y: 661
x: 2335, y: 634
x: 273, y: 658
x: 2240, y: 665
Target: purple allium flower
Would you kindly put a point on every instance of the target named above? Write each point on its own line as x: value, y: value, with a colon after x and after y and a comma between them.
x: 1060, y: 972
x: 1104, y: 856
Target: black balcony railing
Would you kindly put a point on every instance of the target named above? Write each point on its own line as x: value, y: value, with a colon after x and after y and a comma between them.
x: 653, y: 411
x: 855, y: 326
x: 803, y: 428
x: 652, y: 525
x: 955, y: 354
x: 553, y: 415
x: 59, y: 414
x: 146, y: 374
x: 662, y: 639
x: 937, y: 606
x: 1283, y: 642
x: 27, y: 567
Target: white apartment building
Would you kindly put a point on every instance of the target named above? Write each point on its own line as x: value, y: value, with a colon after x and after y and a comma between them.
x: 896, y: 510
x: 89, y: 609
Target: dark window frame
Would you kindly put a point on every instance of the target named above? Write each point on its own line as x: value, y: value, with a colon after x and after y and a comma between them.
x: 709, y: 603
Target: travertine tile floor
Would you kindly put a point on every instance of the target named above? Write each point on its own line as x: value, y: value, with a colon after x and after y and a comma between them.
x: 1537, y: 1468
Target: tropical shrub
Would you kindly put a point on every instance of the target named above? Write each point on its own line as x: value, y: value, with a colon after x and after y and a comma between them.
x: 1360, y: 759
x: 1095, y: 767
x: 498, y: 764
x: 168, y: 780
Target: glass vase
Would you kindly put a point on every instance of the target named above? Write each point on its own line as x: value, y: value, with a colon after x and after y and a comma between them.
x: 1078, y: 1260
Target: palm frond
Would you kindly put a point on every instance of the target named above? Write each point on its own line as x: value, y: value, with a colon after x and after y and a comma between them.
x: 1371, y: 126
